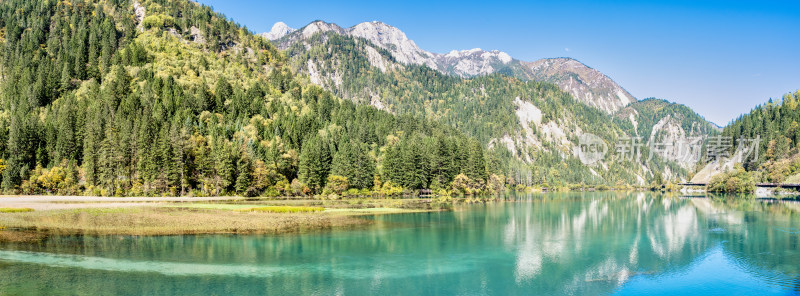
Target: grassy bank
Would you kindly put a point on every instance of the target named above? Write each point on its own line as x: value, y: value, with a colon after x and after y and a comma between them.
x: 271, y: 217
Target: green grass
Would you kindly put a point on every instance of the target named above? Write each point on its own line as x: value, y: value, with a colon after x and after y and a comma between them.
x: 283, y: 209
x: 15, y: 210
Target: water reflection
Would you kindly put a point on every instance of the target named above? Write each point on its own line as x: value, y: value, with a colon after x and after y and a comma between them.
x: 598, y: 241
x: 572, y: 243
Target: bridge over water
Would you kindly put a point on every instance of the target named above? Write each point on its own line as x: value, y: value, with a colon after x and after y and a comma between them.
x: 764, y: 185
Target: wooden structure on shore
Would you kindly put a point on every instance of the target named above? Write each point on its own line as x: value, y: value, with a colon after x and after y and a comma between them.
x: 764, y: 185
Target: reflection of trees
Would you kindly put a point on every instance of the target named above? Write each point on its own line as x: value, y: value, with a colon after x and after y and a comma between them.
x: 765, y: 239
x: 585, y: 243
x: 545, y: 244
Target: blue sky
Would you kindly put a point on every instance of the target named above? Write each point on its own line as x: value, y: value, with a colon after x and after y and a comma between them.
x: 719, y: 57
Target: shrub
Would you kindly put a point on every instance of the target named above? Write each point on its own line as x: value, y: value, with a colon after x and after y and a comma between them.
x: 496, y: 184
x: 59, y: 179
x: 462, y: 185
x: 352, y: 192
x: 337, y: 184
x: 158, y: 21
x: 736, y: 181
x: 365, y: 192
x: 390, y: 189
x: 272, y: 192
x: 298, y: 188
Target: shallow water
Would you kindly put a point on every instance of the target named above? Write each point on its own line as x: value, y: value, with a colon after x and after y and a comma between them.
x: 550, y: 244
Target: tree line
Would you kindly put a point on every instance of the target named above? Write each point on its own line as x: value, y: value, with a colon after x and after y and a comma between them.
x: 95, y: 101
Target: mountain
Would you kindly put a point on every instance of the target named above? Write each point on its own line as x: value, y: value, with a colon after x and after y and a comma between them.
x: 660, y: 121
x: 584, y: 83
x: 279, y: 30
x: 530, y: 125
x: 465, y: 63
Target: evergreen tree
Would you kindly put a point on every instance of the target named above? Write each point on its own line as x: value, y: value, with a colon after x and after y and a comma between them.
x: 314, y: 163
x: 243, y: 171
x: 353, y: 162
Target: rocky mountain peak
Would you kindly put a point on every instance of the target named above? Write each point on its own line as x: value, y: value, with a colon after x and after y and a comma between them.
x: 395, y: 41
x: 279, y: 30
x: 320, y: 26
x: 583, y: 82
x: 379, y: 31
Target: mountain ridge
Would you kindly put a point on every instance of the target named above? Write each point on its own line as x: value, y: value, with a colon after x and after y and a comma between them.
x: 534, y: 122
x: 586, y: 84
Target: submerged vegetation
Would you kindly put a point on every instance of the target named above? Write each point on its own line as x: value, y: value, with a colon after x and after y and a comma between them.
x: 283, y: 209
x: 170, y: 221
x: 193, y: 218
x: 15, y: 210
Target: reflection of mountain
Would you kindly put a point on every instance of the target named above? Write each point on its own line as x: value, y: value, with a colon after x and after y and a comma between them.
x: 768, y: 243
x: 596, y: 244
x: 578, y: 243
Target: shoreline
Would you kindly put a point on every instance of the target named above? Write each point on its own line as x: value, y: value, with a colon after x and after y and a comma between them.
x: 187, y: 216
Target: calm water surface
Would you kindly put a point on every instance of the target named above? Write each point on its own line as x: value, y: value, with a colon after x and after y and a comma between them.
x: 549, y: 244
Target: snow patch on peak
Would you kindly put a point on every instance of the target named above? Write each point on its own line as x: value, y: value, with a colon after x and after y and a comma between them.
x: 279, y: 30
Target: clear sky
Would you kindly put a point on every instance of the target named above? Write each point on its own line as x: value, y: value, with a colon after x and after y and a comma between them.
x: 719, y: 57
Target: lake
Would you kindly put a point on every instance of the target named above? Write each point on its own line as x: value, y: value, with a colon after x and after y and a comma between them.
x: 549, y: 244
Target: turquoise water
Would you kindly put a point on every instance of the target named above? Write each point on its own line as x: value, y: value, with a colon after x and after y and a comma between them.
x: 546, y: 244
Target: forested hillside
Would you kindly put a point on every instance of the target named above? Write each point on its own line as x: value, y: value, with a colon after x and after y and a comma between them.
x: 650, y: 111
x: 168, y: 97
x: 777, y: 125
x: 661, y: 122
x: 530, y: 127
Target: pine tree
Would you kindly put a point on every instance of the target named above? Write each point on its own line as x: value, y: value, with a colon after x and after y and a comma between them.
x: 314, y: 163
x: 476, y: 164
x: 225, y: 166
x: 353, y: 162
x: 222, y: 92
x: 243, y: 177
